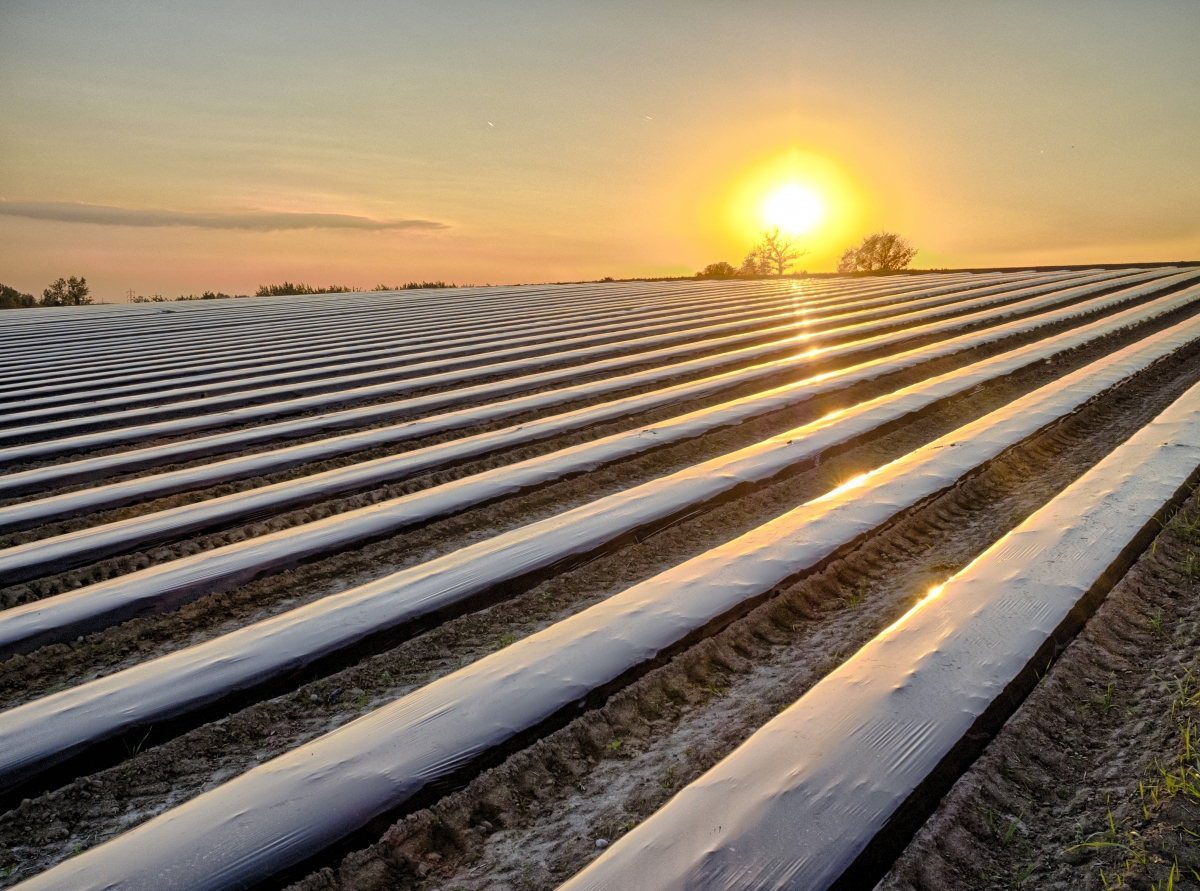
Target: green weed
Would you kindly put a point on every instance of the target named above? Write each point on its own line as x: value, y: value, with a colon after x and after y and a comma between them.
x: 1171, y: 877
x: 1191, y: 567
x: 1185, y: 527
x: 669, y: 782
x: 1101, y: 704
x: 1012, y: 827
x: 1156, y: 625
x: 132, y: 751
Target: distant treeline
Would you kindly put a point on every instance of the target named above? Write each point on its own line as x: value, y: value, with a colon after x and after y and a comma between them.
x: 287, y: 289
x: 74, y: 292
x: 62, y: 292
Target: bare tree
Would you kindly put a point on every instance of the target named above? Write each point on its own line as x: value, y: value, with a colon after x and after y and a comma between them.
x: 881, y: 252
x: 66, y: 292
x: 775, y: 254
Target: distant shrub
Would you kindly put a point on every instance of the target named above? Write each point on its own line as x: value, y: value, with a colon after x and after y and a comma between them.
x: 881, y: 252
x: 413, y: 286
x: 718, y: 270
x: 287, y: 289
x: 153, y: 298
x: 207, y: 295
x: 11, y: 298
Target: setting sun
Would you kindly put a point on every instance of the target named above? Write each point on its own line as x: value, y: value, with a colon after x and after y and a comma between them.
x: 794, y: 209
x: 802, y: 191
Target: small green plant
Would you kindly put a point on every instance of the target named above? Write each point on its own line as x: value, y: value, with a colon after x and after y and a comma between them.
x: 614, y: 745
x: 1101, y: 704
x: 1012, y: 828
x: 1186, y: 528
x: 1020, y: 876
x: 1191, y: 567
x: 361, y: 702
x: 1171, y: 877
x: 1182, y: 696
x: 132, y: 751
x: 506, y: 639
x: 1156, y: 625
x: 669, y: 782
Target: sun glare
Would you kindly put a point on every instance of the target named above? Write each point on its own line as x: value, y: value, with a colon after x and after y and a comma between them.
x: 794, y: 208
x: 806, y: 194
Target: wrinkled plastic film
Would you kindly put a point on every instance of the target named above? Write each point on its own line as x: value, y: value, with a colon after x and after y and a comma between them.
x: 800, y: 802
x: 281, y: 812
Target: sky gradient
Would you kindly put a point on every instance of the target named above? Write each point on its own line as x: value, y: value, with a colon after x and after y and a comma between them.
x: 174, y: 148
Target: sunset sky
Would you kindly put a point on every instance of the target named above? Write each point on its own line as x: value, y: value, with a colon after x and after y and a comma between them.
x: 177, y: 147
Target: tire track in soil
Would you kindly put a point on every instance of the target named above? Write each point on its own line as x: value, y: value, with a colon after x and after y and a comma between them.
x: 1096, y: 738
x: 672, y: 724
x: 54, y: 667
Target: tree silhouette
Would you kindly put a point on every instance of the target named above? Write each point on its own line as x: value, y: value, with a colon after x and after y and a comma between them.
x: 11, y: 298
x: 881, y: 252
x: 717, y: 270
x: 775, y: 254
x: 66, y: 292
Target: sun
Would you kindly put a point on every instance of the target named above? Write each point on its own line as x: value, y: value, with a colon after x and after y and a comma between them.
x: 794, y: 209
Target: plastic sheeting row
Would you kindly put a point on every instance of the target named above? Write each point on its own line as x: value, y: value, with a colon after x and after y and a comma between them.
x: 42, y: 733
x: 282, y: 812
x: 398, y: 327
x: 215, y: 444
x: 315, y: 350
x: 389, y: 351
x: 256, y: 403
x: 65, y: 551
x: 832, y: 789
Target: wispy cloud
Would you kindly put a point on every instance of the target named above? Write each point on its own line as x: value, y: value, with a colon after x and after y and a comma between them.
x: 254, y: 221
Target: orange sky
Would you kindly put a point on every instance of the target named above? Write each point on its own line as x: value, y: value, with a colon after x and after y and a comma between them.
x: 170, y: 147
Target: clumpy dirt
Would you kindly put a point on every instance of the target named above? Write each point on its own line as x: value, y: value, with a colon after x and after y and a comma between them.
x: 1095, y: 782
x: 535, y: 820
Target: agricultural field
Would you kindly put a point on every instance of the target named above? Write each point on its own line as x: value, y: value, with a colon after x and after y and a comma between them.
x: 807, y: 583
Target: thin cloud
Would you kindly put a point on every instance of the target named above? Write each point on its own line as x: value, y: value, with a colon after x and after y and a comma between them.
x: 103, y: 215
